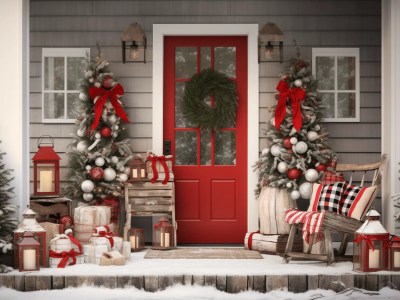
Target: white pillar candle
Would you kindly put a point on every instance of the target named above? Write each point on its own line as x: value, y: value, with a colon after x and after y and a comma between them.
x: 46, y: 181
x: 373, y: 262
x: 29, y: 259
x: 396, y: 259
x: 166, y: 243
x: 134, y: 173
x: 162, y: 239
x: 133, y: 239
x: 142, y: 173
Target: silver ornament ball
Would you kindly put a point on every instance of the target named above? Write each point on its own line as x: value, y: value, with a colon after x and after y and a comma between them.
x: 305, y: 190
x: 293, y: 140
x: 82, y: 96
x: 122, y: 177
x: 88, y: 197
x: 275, y: 150
x: 265, y: 151
x: 295, y: 195
x: 87, y: 186
x: 298, y: 83
x: 312, y: 136
x: 88, y: 168
x: 99, y: 161
x: 109, y: 174
x: 282, y: 167
x: 114, y: 159
x: 289, y: 185
x: 311, y: 175
x: 81, y: 146
x: 301, y: 147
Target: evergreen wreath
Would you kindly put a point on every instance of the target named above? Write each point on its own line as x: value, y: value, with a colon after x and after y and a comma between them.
x: 222, y: 89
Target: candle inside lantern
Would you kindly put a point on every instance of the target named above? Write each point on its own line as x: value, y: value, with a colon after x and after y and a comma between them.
x: 374, y: 259
x: 46, y: 181
x: 134, y: 173
x: 142, y: 173
x: 166, y: 242
x: 396, y: 259
x: 29, y: 259
x: 133, y: 242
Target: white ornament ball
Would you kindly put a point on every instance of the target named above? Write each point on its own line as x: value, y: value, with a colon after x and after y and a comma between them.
x: 88, y: 168
x: 109, y: 174
x: 122, y: 177
x: 114, y: 159
x: 81, y: 132
x: 97, y: 135
x: 312, y: 136
x: 97, y: 84
x: 88, y: 197
x: 293, y: 140
x: 265, y: 151
x: 127, y: 171
x: 276, y: 150
x: 115, y: 127
x: 289, y: 185
x: 81, y: 146
x: 89, y: 73
x: 112, y: 119
x: 295, y: 195
x: 305, y: 190
x: 301, y: 147
x: 87, y: 186
x: 298, y: 82
x: 283, y: 167
x: 317, y: 127
x: 99, y: 161
x: 311, y: 175
x: 82, y: 96
x: 91, y: 79
x: 273, y: 121
x: 115, y: 134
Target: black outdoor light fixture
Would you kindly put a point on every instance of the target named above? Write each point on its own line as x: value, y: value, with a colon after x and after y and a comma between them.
x: 270, y: 38
x: 133, y: 44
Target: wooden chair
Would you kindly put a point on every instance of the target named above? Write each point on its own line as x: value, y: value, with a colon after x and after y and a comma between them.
x: 334, y: 222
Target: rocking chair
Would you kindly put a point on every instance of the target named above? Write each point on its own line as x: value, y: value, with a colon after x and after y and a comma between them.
x: 334, y: 222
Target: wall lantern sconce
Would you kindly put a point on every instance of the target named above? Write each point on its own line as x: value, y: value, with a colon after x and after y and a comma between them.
x: 270, y: 39
x: 46, y: 169
x: 133, y: 44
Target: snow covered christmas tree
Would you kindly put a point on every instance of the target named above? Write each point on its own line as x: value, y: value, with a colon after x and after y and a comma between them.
x: 100, y: 151
x: 8, y: 223
x: 298, y: 152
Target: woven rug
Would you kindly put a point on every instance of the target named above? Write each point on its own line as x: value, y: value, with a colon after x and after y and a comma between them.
x: 203, y: 253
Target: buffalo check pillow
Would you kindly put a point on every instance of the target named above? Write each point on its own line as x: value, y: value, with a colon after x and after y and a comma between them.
x: 342, y: 198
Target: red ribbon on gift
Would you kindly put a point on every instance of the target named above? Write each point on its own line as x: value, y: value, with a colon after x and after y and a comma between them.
x: 75, y: 241
x: 162, y: 159
x: 367, y: 239
x: 295, y: 95
x: 104, y: 95
x: 109, y: 236
x: 65, y: 255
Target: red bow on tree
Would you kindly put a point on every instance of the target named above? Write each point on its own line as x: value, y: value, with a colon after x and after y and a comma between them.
x: 296, y: 95
x: 103, y: 95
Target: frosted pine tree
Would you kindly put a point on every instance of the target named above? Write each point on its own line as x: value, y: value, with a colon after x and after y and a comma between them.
x: 298, y: 152
x: 8, y: 223
x: 100, y: 151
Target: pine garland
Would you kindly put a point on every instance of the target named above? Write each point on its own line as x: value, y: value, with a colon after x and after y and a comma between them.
x: 209, y: 83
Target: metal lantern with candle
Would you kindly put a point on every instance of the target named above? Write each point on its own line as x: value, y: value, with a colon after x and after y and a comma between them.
x: 270, y: 43
x: 28, y: 249
x: 163, y: 235
x: 46, y: 169
x: 136, y: 238
x: 138, y: 169
x: 394, y: 249
x: 371, y: 245
x: 134, y: 44
x: 29, y: 224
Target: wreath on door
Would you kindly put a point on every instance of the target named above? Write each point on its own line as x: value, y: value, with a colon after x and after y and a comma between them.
x: 209, y: 83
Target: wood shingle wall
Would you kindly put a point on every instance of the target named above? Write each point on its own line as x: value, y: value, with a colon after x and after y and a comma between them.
x: 324, y: 23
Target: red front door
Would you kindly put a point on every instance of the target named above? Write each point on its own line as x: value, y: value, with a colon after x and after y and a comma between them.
x: 210, y: 168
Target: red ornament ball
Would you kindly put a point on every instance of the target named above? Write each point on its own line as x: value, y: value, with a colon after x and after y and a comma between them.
x: 293, y: 173
x: 320, y: 168
x: 66, y: 221
x: 331, y: 164
x: 300, y: 64
x: 106, y: 132
x: 286, y: 143
x: 107, y: 82
x: 97, y: 173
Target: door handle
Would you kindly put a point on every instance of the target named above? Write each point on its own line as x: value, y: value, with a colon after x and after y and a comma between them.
x: 167, y: 147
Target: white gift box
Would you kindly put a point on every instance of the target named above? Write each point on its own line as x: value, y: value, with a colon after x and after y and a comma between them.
x: 53, y: 261
x: 100, y: 240
x: 93, y: 253
x: 87, y: 218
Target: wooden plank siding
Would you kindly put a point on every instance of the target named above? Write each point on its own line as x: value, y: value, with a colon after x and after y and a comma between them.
x: 326, y: 23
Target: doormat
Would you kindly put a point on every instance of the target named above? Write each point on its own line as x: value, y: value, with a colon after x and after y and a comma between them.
x: 203, y: 253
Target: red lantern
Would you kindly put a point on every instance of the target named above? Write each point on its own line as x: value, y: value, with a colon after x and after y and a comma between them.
x: 105, y: 131
x: 286, y: 143
x: 371, y: 245
x: 138, y: 169
x: 46, y: 169
x: 163, y: 234
x: 395, y: 253
x: 293, y: 173
x: 28, y: 249
x: 136, y: 238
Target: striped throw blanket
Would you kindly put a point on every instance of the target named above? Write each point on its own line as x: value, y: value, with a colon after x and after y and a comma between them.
x: 312, y: 222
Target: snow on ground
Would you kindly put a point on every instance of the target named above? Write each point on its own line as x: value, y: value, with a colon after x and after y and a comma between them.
x: 180, y: 292
x: 270, y: 265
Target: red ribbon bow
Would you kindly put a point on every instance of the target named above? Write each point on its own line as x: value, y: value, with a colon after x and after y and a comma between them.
x: 109, y: 236
x: 75, y: 241
x: 162, y: 159
x: 104, y: 94
x: 65, y: 255
x: 296, y: 95
x: 367, y: 239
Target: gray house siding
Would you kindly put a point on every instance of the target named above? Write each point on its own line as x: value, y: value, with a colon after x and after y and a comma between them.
x: 326, y: 23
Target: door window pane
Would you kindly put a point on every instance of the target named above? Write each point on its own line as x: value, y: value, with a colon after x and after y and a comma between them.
x: 72, y: 105
x: 328, y: 103
x: 74, y: 72
x: 325, y: 72
x: 346, y: 105
x: 185, y: 147
x: 54, y: 73
x: 53, y: 106
x: 346, y: 73
x: 180, y: 120
x: 225, y: 60
x: 205, y: 58
x: 225, y: 148
x: 185, y: 62
x: 205, y: 148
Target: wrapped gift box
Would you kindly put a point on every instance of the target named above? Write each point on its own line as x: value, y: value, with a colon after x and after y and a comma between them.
x: 103, y: 240
x: 61, y: 243
x: 93, y: 253
x: 54, y: 261
x: 112, y: 258
x: 87, y: 218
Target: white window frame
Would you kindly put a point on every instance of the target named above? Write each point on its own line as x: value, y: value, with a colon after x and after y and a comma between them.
x: 335, y: 52
x: 66, y: 53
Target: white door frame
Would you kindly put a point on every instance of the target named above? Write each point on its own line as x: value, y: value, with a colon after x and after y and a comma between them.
x: 249, y: 30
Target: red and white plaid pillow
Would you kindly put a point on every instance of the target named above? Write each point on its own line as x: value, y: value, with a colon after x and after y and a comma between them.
x: 326, y: 197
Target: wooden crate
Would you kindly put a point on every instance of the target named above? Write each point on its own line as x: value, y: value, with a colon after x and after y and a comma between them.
x: 148, y: 199
x: 48, y: 207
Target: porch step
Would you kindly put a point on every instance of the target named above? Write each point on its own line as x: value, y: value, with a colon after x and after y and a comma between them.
x: 227, y: 283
